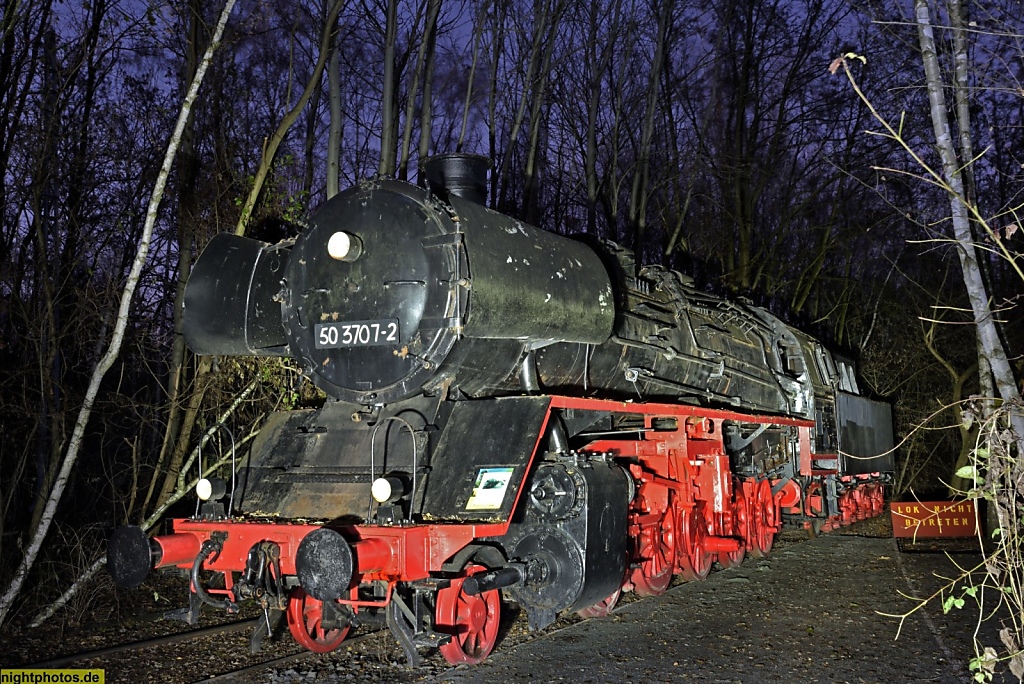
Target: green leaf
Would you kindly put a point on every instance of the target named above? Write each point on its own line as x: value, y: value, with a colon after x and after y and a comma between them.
x: 948, y: 604
x: 968, y: 472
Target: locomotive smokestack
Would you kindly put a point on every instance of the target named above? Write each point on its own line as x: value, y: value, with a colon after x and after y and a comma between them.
x: 461, y: 175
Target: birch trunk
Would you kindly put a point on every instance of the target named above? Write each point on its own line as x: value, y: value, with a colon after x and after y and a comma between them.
x: 990, y: 346
x: 121, y: 324
x: 497, y: 43
x: 961, y: 95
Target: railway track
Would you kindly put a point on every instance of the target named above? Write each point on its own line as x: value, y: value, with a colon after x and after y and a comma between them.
x: 234, y: 675
x: 144, y: 643
x: 181, y: 637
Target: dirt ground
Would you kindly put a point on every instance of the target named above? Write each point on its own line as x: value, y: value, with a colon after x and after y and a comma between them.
x: 811, y: 612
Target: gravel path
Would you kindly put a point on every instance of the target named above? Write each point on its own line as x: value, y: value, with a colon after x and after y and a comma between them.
x: 809, y: 613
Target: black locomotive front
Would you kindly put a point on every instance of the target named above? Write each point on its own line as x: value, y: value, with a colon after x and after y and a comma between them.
x: 392, y: 292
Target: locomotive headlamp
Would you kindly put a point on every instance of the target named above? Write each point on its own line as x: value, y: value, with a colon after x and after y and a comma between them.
x: 213, y: 488
x: 344, y: 246
x: 387, y: 489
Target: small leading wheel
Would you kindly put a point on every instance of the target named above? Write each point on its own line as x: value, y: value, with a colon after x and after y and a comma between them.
x: 602, y: 609
x: 471, y: 620
x: 657, y: 557
x: 694, y: 558
x: 305, y: 621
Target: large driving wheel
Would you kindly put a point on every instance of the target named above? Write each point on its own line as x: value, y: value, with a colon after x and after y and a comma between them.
x: 657, y: 551
x: 740, y: 522
x: 877, y: 499
x: 305, y: 621
x: 694, y: 558
x: 763, y: 520
x: 472, y: 620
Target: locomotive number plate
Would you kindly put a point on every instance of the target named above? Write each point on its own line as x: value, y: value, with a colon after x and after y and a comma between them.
x: 357, y: 333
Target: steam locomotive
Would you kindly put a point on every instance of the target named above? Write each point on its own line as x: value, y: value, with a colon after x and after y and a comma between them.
x: 512, y: 414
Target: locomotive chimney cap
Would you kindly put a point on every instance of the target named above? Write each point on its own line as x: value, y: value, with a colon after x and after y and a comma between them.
x: 461, y: 175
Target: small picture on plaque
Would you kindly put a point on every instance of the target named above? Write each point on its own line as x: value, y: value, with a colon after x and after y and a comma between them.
x: 489, y: 489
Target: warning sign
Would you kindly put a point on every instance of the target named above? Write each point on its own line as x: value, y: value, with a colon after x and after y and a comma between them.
x: 925, y: 519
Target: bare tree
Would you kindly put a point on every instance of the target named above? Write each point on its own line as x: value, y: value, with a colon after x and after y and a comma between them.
x: 420, y: 72
x: 389, y: 112
x: 541, y: 46
x: 478, y: 31
x: 640, y: 190
x: 274, y: 141
x: 75, y: 443
x: 598, y: 59
x: 335, y: 126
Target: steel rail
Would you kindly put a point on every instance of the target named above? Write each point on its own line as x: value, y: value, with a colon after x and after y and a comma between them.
x: 145, y: 643
x: 277, y: 662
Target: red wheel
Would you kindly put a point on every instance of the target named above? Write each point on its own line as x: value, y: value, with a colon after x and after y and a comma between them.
x: 657, y: 550
x: 763, y: 520
x: 878, y: 500
x: 847, y: 508
x: 305, y: 621
x: 862, y: 497
x: 471, y: 620
x: 740, y: 523
x: 694, y: 558
x: 602, y: 609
